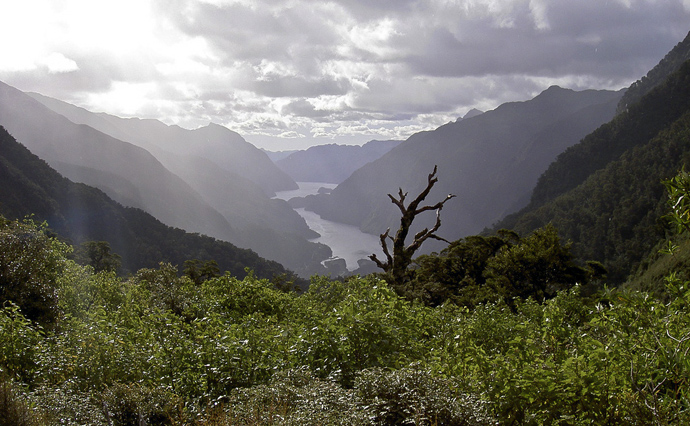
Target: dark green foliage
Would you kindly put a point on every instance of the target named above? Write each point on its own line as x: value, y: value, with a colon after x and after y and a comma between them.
x: 30, y: 264
x: 97, y: 254
x: 538, y: 267
x: 415, y: 396
x: 478, y: 269
x: 15, y: 410
x: 19, y: 338
x: 134, y: 405
x: 294, y: 397
x: 166, y: 290
x: 200, y: 271
x: 678, y: 189
x: 65, y: 405
x: 457, y: 273
x: 379, y: 397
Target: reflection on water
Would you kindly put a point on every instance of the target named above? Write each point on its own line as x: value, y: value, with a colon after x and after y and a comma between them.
x: 346, y: 241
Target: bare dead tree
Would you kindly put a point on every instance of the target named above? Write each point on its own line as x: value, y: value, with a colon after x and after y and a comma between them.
x: 396, y: 264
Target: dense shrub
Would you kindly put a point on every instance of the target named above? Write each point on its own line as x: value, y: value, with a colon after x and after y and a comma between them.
x: 415, y: 396
x: 156, y: 348
x: 30, y: 264
x: 136, y: 405
x: 14, y: 409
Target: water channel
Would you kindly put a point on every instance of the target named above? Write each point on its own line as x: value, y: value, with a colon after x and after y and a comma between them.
x: 346, y: 242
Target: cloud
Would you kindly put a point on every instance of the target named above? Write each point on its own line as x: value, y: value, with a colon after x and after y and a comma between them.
x: 58, y: 63
x: 344, y: 69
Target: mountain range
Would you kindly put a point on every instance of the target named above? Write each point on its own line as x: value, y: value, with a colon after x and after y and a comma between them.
x: 207, y: 180
x: 490, y: 161
x: 589, y: 162
x: 79, y: 213
x: 332, y: 163
x: 605, y: 194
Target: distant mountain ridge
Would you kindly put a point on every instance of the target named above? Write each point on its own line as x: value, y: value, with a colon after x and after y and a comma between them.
x: 78, y: 212
x: 490, y: 161
x: 127, y: 173
x: 211, y: 163
x: 332, y: 163
x: 214, y: 142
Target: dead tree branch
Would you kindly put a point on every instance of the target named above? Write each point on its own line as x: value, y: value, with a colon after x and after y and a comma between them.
x: 397, y: 263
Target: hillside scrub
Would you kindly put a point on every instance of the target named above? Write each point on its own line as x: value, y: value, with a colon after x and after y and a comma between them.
x: 156, y: 348
x: 242, y: 352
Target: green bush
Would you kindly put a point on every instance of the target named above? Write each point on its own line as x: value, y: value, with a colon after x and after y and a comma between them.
x: 65, y: 405
x: 19, y: 344
x: 30, y: 264
x: 294, y: 397
x: 414, y: 396
x: 14, y: 409
x: 135, y: 405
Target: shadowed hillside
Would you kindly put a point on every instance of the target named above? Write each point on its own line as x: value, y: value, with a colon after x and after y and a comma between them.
x: 29, y: 186
x: 490, y: 161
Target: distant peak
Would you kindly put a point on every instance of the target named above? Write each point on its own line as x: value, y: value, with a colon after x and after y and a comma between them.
x: 472, y: 113
x: 215, y: 128
x: 556, y: 88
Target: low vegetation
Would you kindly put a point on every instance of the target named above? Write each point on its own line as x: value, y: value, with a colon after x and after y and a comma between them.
x: 156, y: 348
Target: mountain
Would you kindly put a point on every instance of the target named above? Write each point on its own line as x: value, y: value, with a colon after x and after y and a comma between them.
x: 214, y: 142
x: 78, y: 212
x: 657, y: 75
x: 490, y: 161
x: 268, y: 226
x: 605, y: 193
x: 332, y: 163
x: 127, y: 173
x: 472, y: 113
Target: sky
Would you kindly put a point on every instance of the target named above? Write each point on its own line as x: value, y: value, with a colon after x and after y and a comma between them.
x: 288, y: 74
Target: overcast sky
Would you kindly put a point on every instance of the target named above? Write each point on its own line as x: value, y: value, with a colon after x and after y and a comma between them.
x: 291, y: 73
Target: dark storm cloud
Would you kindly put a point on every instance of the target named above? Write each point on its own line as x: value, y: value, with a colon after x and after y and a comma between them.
x: 607, y: 41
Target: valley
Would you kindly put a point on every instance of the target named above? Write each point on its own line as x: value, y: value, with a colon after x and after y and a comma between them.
x: 346, y: 242
x: 152, y: 274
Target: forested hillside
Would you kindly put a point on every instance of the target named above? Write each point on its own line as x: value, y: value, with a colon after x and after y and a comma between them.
x: 657, y: 75
x: 490, y: 161
x: 605, y: 194
x: 79, y: 213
